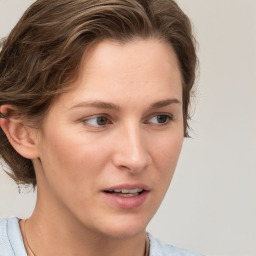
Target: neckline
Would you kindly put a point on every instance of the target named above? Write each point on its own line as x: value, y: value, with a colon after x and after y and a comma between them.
x: 17, y: 242
x: 15, y: 237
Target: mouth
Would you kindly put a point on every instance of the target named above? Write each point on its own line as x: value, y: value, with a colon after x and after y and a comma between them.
x: 127, y: 196
x: 123, y: 192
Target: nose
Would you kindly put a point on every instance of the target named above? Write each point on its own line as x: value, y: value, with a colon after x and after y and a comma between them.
x: 131, y: 150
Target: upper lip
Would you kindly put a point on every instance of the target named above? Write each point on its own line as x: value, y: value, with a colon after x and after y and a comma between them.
x: 128, y: 186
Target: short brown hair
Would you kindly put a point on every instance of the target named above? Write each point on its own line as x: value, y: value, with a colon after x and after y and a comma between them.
x: 42, y: 54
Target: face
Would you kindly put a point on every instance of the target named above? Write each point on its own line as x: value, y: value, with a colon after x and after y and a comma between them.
x: 109, y: 147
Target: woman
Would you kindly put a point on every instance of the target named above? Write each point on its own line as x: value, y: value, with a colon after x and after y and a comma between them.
x: 94, y: 107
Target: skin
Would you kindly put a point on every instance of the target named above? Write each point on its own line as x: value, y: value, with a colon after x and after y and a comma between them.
x: 139, y: 142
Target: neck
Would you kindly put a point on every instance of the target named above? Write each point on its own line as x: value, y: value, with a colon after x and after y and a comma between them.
x: 49, y: 233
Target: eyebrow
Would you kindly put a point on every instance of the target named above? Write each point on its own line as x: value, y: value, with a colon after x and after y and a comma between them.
x: 164, y: 103
x: 97, y: 104
x: 108, y: 105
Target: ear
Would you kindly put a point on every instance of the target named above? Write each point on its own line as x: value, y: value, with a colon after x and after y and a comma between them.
x: 22, y: 137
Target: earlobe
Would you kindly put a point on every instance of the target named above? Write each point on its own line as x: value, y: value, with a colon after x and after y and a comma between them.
x: 21, y: 137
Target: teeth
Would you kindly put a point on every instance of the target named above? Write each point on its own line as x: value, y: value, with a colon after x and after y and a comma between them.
x: 128, y: 191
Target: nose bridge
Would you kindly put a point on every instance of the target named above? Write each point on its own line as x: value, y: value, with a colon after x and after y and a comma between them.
x: 132, y: 150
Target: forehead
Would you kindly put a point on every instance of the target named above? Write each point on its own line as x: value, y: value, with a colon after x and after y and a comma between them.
x: 138, y: 55
x: 138, y: 70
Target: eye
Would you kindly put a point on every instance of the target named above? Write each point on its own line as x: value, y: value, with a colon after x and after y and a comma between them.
x: 161, y: 119
x: 97, y: 121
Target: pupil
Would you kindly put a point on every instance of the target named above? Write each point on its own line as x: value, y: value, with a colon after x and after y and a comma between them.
x: 161, y: 119
x: 101, y: 120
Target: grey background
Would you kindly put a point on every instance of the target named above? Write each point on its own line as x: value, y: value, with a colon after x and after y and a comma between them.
x: 211, y: 204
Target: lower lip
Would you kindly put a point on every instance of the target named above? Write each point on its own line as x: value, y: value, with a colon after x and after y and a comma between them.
x: 127, y: 202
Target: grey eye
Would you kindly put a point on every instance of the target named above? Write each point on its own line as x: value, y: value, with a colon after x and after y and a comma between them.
x: 160, y: 119
x: 101, y: 120
x: 97, y: 121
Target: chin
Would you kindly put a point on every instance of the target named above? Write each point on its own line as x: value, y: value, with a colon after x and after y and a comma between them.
x: 125, y: 227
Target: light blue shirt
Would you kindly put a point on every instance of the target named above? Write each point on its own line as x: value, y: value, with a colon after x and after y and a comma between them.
x: 11, y: 243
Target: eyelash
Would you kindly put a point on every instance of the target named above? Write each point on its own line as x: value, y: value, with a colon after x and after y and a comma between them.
x: 85, y: 121
x: 169, y: 118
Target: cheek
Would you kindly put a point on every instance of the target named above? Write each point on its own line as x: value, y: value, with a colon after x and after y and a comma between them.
x: 72, y: 159
x: 166, y: 155
x: 168, y: 149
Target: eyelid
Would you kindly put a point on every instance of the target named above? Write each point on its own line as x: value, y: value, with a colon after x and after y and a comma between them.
x: 85, y: 120
x: 169, y: 115
x: 110, y: 119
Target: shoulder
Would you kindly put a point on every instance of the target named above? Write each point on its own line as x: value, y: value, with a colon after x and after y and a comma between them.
x: 5, y: 246
x: 158, y: 248
x: 11, y: 242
